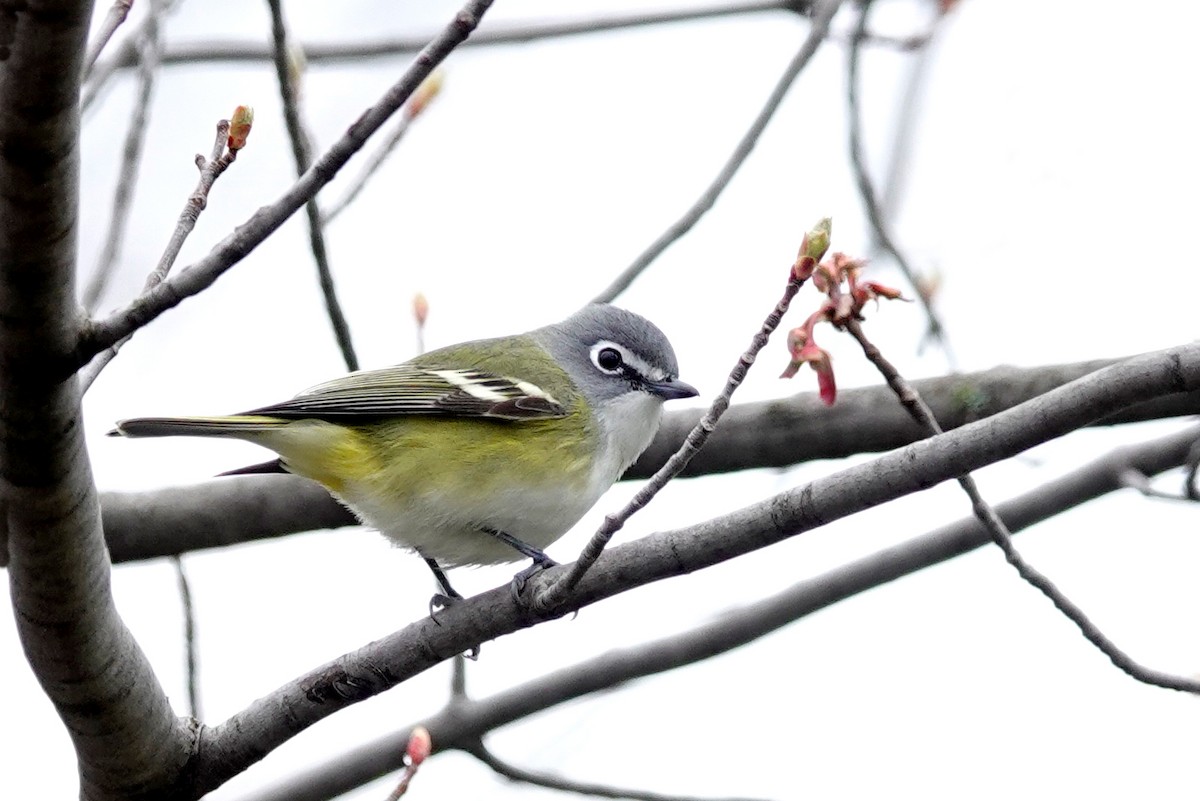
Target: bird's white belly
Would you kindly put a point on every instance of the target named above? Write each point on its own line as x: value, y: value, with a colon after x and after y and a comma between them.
x: 451, y: 527
x: 453, y: 530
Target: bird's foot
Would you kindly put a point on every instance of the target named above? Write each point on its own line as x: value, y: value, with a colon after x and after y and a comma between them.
x: 540, y: 563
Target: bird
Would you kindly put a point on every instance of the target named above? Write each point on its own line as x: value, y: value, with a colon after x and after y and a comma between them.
x: 478, y: 453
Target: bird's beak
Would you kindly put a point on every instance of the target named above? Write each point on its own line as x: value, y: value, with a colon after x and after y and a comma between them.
x: 672, y: 389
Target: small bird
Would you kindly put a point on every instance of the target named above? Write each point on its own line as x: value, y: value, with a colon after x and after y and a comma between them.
x: 477, y: 453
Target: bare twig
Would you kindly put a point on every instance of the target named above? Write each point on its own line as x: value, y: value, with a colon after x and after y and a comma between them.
x: 218, y: 51
x: 127, y: 55
x: 116, y: 15
x: 302, y: 152
x: 866, y: 189
x: 246, y: 237
x: 1137, y: 480
x: 822, y: 13
x: 552, y: 782
x: 210, y: 170
x: 1191, y: 481
x: 135, y: 136
x: 460, y: 725
x: 191, y: 652
x: 1003, y: 538
x: 906, y: 117
x: 371, y: 166
x: 812, y: 249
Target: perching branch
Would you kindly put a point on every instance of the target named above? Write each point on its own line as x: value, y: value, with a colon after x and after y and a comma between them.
x: 383, y: 664
x: 222, y: 512
x: 465, y: 720
x: 822, y: 14
x: 263, y: 223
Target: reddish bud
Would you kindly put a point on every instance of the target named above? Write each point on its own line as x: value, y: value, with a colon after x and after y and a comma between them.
x: 420, y: 307
x: 826, y: 386
x: 880, y: 291
x: 420, y: 746
x: 240, y: 124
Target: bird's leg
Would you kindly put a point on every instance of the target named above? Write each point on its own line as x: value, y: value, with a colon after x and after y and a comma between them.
x: 445, y: 598
x: 540, y: 561
x: 448, y: 595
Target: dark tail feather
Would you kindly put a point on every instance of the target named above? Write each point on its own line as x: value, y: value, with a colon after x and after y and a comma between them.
x: 273, y: 466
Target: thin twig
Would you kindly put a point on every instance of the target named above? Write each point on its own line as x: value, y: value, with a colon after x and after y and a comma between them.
x: 822, y: 13
x: 905, y: 123
x: 210, y: 170
x: 1137, y: 480
x: 225, y: 51
x: 199, y: 276
x: 191, y: 652
x: 552, y: 782
x: 301, y: 150
x: 1003, y: 538
x: 116, y: 15
x: 370, y: 167
x: 866, y: 188
x: 558, y: 591
x: 127, y: 55
x: 131, y: 157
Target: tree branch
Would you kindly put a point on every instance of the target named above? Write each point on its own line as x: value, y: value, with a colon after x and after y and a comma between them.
x: 240, y: 51
x: 214, y: 514
x: 125, y: 735
x: 248, y: 236
x: 461, y: 723
x: 1002, y: 537
x: 550, y: 781
x: 283, y: 713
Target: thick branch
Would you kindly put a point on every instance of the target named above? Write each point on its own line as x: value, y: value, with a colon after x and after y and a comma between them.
x: 125, y: 734
x: 213, y: 514
x: 466, y: 721
x: 272, y: 720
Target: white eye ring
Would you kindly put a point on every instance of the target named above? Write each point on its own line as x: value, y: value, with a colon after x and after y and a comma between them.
x: 611, y: 358
x: 627, y: 364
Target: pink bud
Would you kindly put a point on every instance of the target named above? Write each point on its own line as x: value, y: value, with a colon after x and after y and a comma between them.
x: 420, y: 746
x: 420, y: 306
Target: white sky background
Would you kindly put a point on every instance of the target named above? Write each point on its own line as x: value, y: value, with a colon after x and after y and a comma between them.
x: 1052, y: 184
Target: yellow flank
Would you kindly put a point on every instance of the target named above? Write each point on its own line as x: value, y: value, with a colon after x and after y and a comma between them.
x: 414, y: 456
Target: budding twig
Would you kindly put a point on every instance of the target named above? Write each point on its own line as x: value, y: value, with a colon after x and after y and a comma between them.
x: 231, y: 137
x: 812, y: 249
x: 1001, y: 536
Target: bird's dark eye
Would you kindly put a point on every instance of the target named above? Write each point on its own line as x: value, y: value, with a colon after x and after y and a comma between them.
x: 609, y: 359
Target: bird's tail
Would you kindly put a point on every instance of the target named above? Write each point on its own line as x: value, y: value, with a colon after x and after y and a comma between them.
x: 244, y: 426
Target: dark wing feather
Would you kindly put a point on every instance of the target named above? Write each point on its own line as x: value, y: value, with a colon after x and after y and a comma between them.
x: 407, y: 389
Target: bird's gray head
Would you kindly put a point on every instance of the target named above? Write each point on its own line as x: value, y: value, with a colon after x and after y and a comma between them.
x: 610, y: 352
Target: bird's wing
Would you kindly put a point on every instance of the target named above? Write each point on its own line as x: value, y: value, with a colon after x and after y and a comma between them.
x: 408, y: 389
